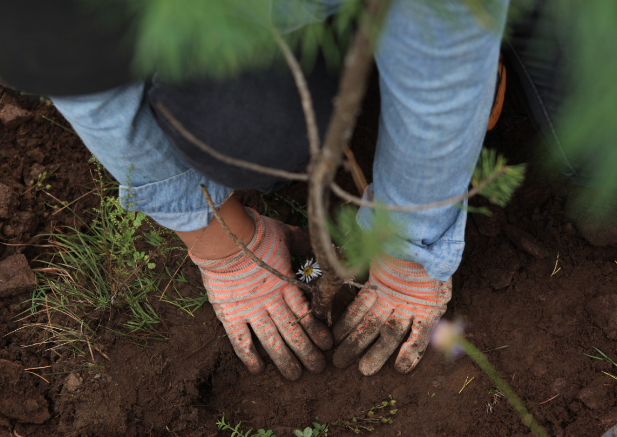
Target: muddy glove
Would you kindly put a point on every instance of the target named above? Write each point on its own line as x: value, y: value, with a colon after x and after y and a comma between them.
x: 243, y: 294
x: 406, y: 297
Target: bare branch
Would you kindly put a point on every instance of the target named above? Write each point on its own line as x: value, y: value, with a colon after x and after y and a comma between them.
x: 323, y: 166
x: 356, y: 172
x: 305, y: 95
x: 224, y: 158
x: 247, y: 251
x: 358, y: 285
x: 336, y: 189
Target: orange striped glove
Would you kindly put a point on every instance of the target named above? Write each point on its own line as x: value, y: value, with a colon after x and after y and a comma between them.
x: 406, y: 297
x: 243, y: 294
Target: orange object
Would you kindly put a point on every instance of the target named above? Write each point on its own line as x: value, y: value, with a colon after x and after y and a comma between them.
x: 500, y: 93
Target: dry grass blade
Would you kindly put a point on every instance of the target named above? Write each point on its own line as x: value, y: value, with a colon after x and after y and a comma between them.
x: 336, y: 189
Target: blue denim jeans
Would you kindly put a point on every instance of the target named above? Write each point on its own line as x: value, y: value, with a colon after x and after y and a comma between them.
x: 437, y: 76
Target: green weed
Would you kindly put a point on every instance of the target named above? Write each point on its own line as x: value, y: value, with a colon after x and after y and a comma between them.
x: 236, y: 432
x: 381, y: 414
x: 99, y: 270
x: 317, y: 430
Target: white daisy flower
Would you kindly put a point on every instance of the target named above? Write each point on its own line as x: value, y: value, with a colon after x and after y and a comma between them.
x: 310, y: 270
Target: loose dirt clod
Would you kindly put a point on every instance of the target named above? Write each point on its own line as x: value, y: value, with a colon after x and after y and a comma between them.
x: 8, y: 201
x: 13, y: 116
x: 19, y: 397
x: 16, y: 276
x: 525, y: 241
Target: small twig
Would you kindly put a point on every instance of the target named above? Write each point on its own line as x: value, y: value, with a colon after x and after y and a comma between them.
x: 79, y: 198
x: 26, y: 244
x: 336, y: 189
x: 53, y: 197
x: 224, y: 158
x: 36, y: 368
x: 555, y: 269
x: 246, y: 250
x: 305, y: 95
x: 299, y: 319
x: 358, y: 285
x: 610, y: 374
x: 356, y: 172
x: 548, y: 400
x: 178, y: 269
x: 467, y: 381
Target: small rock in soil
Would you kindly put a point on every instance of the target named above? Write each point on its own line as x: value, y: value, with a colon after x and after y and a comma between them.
x: 498, y: 278
x: 19, y: 397
x: 8, y: 201
x: 16, y: 276
x: 525, y: 241
x: 538, y: 370
x: 13, y: 116
x: 594, y: 395
x: 8, y: 231
x: 603, y: 312
x: 24, y: 222
x: 72, y: 382
x: 37, y: 154
x: 559, y: 385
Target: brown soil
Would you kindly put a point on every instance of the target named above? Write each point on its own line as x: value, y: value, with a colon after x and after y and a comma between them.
x: 179, y: 387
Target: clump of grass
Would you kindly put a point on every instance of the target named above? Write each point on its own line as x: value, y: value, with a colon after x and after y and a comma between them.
x: 606, y: 358
x: 101, y: 269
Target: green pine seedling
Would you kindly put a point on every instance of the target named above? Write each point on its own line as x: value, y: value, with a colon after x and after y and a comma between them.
x: 360, y: 247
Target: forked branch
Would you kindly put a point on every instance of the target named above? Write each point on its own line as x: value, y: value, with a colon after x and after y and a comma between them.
x: 402, y: 208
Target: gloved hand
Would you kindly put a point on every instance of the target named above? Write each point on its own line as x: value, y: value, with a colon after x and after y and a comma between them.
x: 405, y: 297
x: 242, y: 294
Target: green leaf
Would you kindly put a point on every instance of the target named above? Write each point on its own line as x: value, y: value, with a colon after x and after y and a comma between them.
x: 358, y: 246
x: 151, y: 265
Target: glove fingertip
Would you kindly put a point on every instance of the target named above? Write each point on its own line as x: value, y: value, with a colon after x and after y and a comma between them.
x: 369, y: 367
x: 255, y: 366
x: 406, y: 362
x: 292, y: 372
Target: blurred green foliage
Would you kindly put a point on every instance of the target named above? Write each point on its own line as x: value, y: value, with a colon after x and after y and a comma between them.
x: 361, y: 246
x: 588, y: 127
x: 503, y: 186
